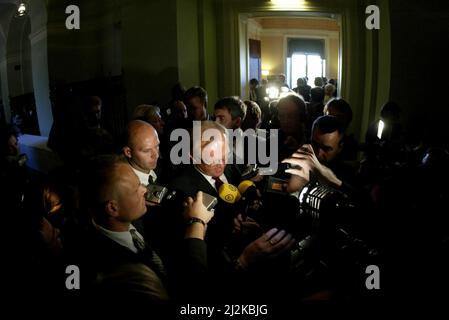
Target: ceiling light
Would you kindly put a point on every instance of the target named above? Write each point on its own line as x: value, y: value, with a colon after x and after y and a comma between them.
x: 21, y: 10
x: 289, y: 3
x: 286, y: 2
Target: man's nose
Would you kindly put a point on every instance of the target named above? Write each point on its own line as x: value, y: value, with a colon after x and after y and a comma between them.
x: 321, y: 155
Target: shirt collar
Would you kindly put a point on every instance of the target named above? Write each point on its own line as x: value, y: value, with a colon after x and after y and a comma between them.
x: 123, y: 238
x: 210, y: 179
x: 143, y: 177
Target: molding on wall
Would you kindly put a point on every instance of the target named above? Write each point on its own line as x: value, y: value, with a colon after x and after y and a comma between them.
x: 254, y: 29
x: 303, y: 33
x: 297, y: 17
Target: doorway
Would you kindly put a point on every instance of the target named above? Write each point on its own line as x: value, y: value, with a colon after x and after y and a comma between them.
x: 296, y: 45
x: 20, y: 80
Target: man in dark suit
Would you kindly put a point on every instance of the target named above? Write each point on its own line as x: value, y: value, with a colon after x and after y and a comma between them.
x: 207, y: 173
x: 120, y: 266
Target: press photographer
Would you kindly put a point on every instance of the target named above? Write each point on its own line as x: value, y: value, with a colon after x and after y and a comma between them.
x: 320, y: 208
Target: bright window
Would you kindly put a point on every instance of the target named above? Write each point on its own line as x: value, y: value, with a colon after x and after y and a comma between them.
x: 304, y: 64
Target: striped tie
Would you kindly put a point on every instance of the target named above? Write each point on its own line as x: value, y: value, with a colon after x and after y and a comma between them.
x: 139, y: 243
x: 146, y: 251
x: 218, y: 183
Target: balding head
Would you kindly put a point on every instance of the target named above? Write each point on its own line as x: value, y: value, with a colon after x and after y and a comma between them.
x: 113, y: 192
x: 142, y: 146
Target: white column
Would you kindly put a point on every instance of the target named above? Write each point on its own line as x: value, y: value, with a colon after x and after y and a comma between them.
x: 39, y: 61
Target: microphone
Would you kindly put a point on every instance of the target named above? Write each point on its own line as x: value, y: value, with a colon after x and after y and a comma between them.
x: 248, y: 190
x: 229, y: 193
x: 250, y: 198
x: 250, y: 171
x: 244, y: 185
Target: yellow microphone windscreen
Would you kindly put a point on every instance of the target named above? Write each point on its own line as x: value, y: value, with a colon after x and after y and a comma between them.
x: 244, y: 185
x: 229, y: 193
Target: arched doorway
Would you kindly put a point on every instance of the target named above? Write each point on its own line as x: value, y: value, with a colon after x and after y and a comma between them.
x: 7, y: 9
x: 20, y: 79
x: 23, y: 52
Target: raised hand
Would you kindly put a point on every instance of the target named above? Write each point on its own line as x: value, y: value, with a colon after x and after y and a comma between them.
x: 270, y: 245
x: 196, y: 209
x: 306, y: 161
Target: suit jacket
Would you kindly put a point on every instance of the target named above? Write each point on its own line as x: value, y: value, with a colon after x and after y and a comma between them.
x: 118, y: 274
x: 114, y: 273
x: 188, y: 183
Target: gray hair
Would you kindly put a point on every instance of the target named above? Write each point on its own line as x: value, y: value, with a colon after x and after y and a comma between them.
x: 145, y: 111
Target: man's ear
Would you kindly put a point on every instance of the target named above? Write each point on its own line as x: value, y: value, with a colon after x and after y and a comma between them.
x: 238, y: 122
x: 127, y: 151
x: 112, y: 208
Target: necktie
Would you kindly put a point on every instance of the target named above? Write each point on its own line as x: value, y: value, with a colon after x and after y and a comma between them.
x: 218, y: 183
x: 146, y: 251
x: 150, y: 179
x: 139, y: 243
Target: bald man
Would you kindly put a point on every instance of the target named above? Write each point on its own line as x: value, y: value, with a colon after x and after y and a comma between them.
x: 142, y: 150
x: 122, y: 267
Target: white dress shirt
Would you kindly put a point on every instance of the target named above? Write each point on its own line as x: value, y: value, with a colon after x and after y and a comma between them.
x: 143, y: 177
x: 123, y: 238
x: 211, y: 180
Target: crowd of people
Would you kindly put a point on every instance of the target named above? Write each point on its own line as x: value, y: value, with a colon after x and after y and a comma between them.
x: 382, y: 206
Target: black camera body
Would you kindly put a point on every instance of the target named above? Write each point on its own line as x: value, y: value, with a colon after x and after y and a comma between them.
x: 158, y: 195
x: 323, y: 220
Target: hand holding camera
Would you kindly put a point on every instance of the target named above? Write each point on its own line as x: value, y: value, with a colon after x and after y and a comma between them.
x: 197, y: 215
x: 306, y: 159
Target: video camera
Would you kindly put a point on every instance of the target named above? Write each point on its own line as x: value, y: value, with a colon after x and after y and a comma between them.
x: 319, y: 204
x: 327, y: 223
x: 331, y: 226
